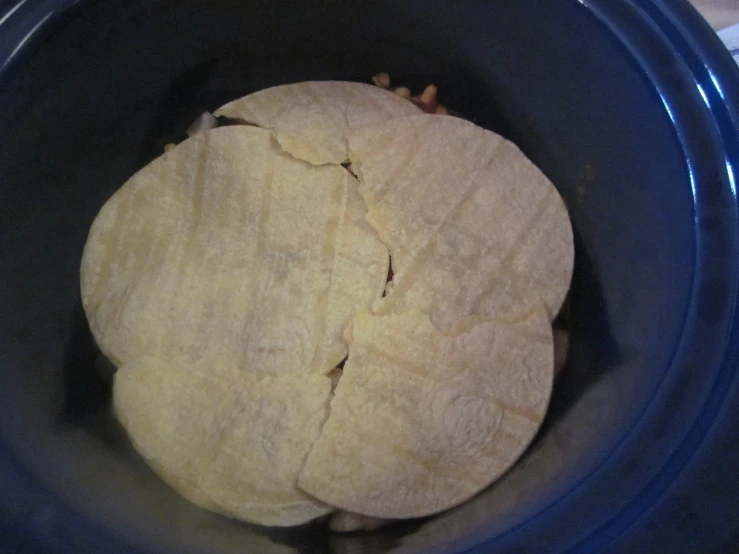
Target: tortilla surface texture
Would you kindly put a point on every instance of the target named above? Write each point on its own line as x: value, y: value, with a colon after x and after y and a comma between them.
x: 228, y: 247
x: 312, y: 119
x: 227, y: 440
x: 472, y: 225
x: 422, y: 420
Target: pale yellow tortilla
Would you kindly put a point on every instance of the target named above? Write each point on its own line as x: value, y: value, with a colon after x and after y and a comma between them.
x: 472, y: 225
x: 312, y: 119
x: 230, y: 248
x: 227, y: 440
x: 422, y: 420
x: 225, y: 278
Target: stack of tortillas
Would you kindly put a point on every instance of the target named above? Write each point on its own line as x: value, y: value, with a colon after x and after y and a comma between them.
x: 228, y: 278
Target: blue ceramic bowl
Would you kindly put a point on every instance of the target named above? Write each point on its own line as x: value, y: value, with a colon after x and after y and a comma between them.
x: 630, y: 106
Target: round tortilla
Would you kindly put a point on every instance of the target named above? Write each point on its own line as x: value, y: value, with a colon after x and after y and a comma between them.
x: 227, y: 440
x: 472, y: 225
x: 230, y: 248
x: 422, y: 420
x: 312, y: 119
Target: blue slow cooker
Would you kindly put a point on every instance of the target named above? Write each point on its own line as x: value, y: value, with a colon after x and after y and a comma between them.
x: 631, y: 107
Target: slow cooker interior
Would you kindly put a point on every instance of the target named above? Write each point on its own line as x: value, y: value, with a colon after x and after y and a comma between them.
x: 99, y: 97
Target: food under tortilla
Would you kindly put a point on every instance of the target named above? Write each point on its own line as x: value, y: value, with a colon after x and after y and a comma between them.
x: 233, y: 274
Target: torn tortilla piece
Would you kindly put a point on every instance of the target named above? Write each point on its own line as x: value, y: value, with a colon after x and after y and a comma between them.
x: 421, y: 420
x: 227, y: 440
x: 312, y: 119
x: 228, y: 247
x: 472, y: 225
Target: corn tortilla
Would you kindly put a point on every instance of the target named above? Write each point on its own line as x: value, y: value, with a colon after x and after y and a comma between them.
x: 227, y: 440
x: 229, y: 277
x: 312, y: 119
x: 472, y: 225
x: 422, y: 420
x: 228, y: 247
